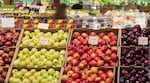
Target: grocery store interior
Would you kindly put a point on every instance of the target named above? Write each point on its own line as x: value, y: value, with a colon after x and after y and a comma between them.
x: 74, y: 41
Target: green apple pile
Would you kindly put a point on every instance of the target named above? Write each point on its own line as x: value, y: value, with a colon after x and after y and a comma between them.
x: 39, y: 58
x: 34, y: 76
x: 56, y: 39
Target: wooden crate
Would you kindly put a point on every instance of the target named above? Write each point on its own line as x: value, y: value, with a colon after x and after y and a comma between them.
x: 15, y: 30
x: 129, y: 47
x: 49, y: 30
x: 128, y: 68
x: 106, y: 30
x: 21, y: 48
x: 99, y: 68
x: 10, y: 72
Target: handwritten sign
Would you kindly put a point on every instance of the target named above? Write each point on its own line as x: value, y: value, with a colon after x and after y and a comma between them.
x: 42, y: 9
x: 44, y: 41
x: 142, y: 40
x: 43, y: 26
x: 8, y: 22
x: 93, y: 40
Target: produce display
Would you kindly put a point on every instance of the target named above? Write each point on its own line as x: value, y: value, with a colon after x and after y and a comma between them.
x: 3, y: 74
x: 34, y: 76
x: 6, y: 56
x: 55, y: 39
x: 40, y: 58
x: 92, y: 75
x: 134, y: 56
x: 8, y: 38
x: 130, y: 75
x: 130, y: 35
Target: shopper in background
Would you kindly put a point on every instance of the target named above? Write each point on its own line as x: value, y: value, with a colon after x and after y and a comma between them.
x: 61, y: 12
x: 78, y: 6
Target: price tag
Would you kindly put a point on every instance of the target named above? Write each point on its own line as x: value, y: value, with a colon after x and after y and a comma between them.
x: 8, y: 22
x: 21, y: 8
x: 44, y: 41
x: 42, y: 9
x: 43, y: 26
x: 93, y: 40
x: 142, y: 40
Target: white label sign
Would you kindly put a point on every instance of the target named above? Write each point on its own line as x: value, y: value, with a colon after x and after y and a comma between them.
x: 42, y: 9
x: 8, y: 22
x: 142, y: 40
x: 44, y: 41
x: 43, y: 26
x: 93, y: 40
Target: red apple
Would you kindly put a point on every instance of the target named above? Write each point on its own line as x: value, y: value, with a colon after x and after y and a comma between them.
x: 113, y: 43
x: 78, y: 80
x: 85, y: 42
x: 108, y: 52
x: 113, y: 57
x: 80, y: 51
x: 85, y: 48
x: 109, y: 80
x: 93, y: 76
x: 104, y: 48
x: 102, y: 82
x: 69, y: 80
x: 101, y: 35
x: 69, y: 59
x: 112, y: 63
x: 93, y: 55
x: 90, y: 80
x: 110, y: 74
x: 64, y: 78
x: 80, y: 38
x: 103, y: 76
x: 146, y: 62
x: 76, y: 55
x: 75, y: 76
x: 114, y: 38
x: 98, y: 79
x: 8, y: 43
x: 97, y: 59
x: 110, y: 34
x: 100, y: 63
x: 66, y: 69
x: 84, y: 56
x: 114, y: 49
x: 76, y: 34
x: 75, y: 62
x: 92, y: 63
x: 85, y: 35
x: 71, y: 52
x: 76, y: 69
x: 93, y: 34
x: 106, y: 58
x: 1, y: 52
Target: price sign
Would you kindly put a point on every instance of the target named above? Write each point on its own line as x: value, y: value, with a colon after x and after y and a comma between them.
x: 42, y: 9
x: 142, y: 40
x: 93, y: 40
x: 43, y: 26
x: 44, y: 41
x: 8, y: 22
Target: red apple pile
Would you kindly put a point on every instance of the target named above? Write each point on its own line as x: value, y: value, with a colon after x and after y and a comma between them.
x: 3, y: 74
x: 6, y: 55
x: 92, y: 75
x: 93, y: 57
x: 8, y: 38
x: 81, y: 39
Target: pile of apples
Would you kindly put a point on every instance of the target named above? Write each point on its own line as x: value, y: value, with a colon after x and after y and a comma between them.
x: 93, y: 57
x: 92, y: 75
x: 3, y: 74
x: 134, y: 56
x: 81, y: 39
x: 32, y: 39
x: 6, y: 55
x: 39, y: 58
x: 8, y: 38
x: 34, y: 76
x: 62, y: 23
x: 134, y: 75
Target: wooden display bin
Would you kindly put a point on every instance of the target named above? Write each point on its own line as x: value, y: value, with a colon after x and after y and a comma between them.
x: 129, y: 48
x: 42, y: 30
x: 129, y: 69
x: 99, y: 68
x: 37, y: 69
x: 21, y: 48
